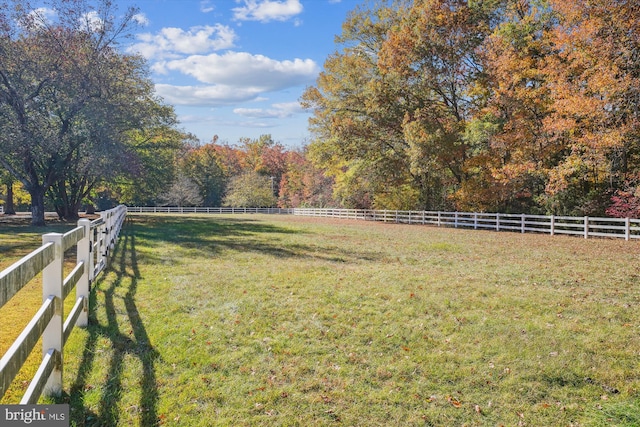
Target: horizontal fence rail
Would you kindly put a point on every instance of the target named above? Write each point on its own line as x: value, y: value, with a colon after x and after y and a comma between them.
x: 626, y: 228
x: 208, y: 210
x: 587, y: 227
x: 93, y: 241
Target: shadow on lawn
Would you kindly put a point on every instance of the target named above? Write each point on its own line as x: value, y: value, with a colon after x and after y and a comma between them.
x: 19, y: 238
x: 119, y: 283
x: 122, y: 343
x: 213, y: 234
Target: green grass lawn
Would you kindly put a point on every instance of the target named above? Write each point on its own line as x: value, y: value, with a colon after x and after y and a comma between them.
x: 292, y: 321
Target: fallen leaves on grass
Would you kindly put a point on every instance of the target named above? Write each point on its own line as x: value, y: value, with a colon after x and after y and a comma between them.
x: 455, y: 402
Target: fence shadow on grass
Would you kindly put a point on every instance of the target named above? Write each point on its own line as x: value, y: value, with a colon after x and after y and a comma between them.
x: 212, y: 234
x: 121, y: 277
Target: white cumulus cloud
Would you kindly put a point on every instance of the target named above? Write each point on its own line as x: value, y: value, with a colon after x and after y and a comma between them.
x: 206, y: 96
x: 218, y: 121
x: 278, y: 111
x: 241, y: 69
x: 173, y: 42
x: 141, y: 19
x: 267, y: 10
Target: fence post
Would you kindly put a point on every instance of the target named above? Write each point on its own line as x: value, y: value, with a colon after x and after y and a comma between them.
x: 84, y: 255
x: 497, y: 222
x: 93, y: 238
x: 586, y: 227
x: 455, y: 219
x: 475, y: 220
x: 627, y: 228
x: 109, y: 235
x: 100, y: 238
x: 553, y: 225
x: 52, y: 337
x: 104, y: 238
x: 523, y: 223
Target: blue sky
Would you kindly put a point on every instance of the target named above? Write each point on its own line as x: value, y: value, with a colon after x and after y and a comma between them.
x: 237, y: 68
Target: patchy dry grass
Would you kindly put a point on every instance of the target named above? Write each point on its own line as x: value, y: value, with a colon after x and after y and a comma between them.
x: 267, y: 320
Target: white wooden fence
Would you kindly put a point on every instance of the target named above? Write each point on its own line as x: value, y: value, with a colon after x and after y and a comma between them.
x: 94, y: 240
x: 626, y: 228
x: 208, y: 210
x: 587, y: 227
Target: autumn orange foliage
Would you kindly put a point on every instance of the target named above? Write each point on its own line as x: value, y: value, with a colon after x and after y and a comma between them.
x: 513, y: 105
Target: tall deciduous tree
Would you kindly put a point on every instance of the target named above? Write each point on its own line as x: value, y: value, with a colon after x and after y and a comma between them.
x: 358, y: 112
x: 391, y: 109
x: 155, y: 165
x: 202, y: 165
x: 182, y: 192
x: 303, y: 184
x: 231, y: 158
x: 265, y: 157
x: 432, y: 55
x: 250, y: 190
x: 564, y: 89
x: 106, y: 145
x: 514, y: 152
x: 595, y: 83
x: 60, y: 94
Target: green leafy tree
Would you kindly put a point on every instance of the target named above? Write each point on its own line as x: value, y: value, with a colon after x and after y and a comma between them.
x: 155, y: 165
x: 60, y: 96
x: 250, y: 189
x: 203, y: 166
x: 128, y: 102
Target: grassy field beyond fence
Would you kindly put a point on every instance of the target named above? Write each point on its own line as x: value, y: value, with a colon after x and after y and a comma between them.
x: 263, y: 320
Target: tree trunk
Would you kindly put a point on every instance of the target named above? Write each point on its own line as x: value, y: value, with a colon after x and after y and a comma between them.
x: 72, y: 212
x: 68, y: 197
x: 37, y: 206
x: 9, y: 207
